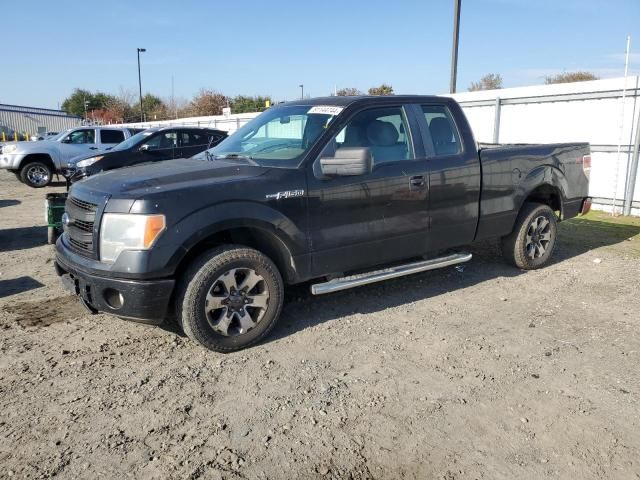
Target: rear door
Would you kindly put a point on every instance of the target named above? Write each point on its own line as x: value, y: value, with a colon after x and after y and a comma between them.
x: 381, y: 216
x: 110, y: 138
x: 454, y: 176
x: 191, y: 142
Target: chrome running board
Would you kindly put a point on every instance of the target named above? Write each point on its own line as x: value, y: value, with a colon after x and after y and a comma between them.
x: 352, y: 281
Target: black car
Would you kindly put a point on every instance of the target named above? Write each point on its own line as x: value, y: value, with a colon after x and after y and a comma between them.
x: 151, y: 145
x: 344, y: 191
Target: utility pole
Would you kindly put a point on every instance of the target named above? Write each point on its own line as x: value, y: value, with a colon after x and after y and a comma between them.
x: 454, y: 47
x: 140, y: 83
x: 301, y: 91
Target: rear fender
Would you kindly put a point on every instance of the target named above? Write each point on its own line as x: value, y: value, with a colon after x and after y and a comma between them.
x: 538, y: 177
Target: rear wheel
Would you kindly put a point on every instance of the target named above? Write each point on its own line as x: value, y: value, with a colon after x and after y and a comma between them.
x: 36, y: 174
x: 231, y: 298
x: 533, y: 239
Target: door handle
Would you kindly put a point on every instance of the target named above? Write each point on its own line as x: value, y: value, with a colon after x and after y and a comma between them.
x: 93, y: 148
x: 417, y: 181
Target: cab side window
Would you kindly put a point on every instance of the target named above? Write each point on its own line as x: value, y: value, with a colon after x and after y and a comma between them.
x: 443, y: 130
x: 382, y: 130
x: 192, y: 139
x: 80, y: 137
x: 164, y: 140
x: 111, y: 136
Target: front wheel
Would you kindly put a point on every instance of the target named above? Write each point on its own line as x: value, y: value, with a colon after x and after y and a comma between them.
x: 230, y: 298
x: 36, y: 174
x: 533, y: 239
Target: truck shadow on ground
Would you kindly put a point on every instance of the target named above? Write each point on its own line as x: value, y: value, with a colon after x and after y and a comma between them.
x: 18, y: 285
x: 303, y: 310
x: 22, y: 238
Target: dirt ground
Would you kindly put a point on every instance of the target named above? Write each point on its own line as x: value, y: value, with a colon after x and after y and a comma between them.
x: 477, y: 372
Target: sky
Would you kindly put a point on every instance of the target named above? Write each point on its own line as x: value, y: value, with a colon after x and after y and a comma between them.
x: 270, y: 47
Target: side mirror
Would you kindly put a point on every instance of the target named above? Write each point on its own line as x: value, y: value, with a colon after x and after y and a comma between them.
x: 347, y: 162
x: 144, y: 148
x: 66, y: 140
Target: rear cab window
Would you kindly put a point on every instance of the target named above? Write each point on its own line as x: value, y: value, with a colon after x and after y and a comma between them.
x: 442, y: 130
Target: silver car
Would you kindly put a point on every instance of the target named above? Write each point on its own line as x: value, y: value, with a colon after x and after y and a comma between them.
x: 34, y: 163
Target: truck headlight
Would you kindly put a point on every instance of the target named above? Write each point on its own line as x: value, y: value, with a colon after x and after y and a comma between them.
x: 88, y: 161
x: 9, y: 148
x: 127, y: 231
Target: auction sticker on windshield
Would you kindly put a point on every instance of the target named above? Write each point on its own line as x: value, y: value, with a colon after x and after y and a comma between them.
x: 325, y: 110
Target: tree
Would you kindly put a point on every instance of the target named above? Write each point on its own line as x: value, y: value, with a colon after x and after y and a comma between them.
x: 153, y: 107
x: 74, y: 103
x: 491, y: 81
x: 349, y: 92
x: 570, y: 77
x: 246, y: 104
x: 383, y: 89
x: 120, y: 107
x: 208, y: 102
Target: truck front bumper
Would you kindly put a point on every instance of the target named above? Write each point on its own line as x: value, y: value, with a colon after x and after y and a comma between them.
x: 145, y: 301
x: 10, y: 161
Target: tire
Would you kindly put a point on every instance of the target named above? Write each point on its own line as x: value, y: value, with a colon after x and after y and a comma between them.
x: 209, y: 301
x: 533, y: 239
x: 52, y: 235
x: 36, y: 174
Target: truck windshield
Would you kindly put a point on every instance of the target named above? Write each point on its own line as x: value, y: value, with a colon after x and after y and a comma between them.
x: 278, y: 137
x: 58, y: 136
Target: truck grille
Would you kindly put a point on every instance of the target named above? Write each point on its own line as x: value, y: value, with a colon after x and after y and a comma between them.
x: 82, y: 215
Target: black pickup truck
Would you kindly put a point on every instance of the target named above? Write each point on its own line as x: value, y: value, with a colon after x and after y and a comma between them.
x: 345, y: 191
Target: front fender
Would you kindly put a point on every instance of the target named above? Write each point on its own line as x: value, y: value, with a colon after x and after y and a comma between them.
x: 189, y: 231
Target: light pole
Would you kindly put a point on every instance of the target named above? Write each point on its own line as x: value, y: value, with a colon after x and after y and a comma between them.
x: 454, y: 47
x: 140, y: 83
x: 301, y: 91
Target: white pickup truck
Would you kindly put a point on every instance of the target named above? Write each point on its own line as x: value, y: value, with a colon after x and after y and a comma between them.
x: 34, y: 163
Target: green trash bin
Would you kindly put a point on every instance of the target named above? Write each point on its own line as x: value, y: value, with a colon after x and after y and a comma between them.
x: 54, y: 208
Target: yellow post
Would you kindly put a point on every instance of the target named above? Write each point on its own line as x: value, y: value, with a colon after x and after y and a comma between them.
x: 4, y: 137
x: 15, y: 136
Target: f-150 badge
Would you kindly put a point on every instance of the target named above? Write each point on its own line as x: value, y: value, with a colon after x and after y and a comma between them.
x: 286, y: 194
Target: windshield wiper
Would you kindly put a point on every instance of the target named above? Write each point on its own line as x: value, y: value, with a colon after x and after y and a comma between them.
x: 234, y: 156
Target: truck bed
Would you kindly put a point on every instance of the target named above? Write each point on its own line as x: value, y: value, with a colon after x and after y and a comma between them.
x: 509, y: 170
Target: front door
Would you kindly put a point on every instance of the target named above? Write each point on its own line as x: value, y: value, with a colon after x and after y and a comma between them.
x: 377, y: 217
x: 157, y: 147
x: 79, y: 142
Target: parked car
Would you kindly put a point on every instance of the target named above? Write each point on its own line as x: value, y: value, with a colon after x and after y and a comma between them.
x: 34, y: 163
x: 43, y: 136
x: 322, y: 189
x: 150, y: 145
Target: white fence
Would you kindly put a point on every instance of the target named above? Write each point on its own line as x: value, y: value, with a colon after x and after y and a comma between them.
x: 227, y: 123
x: 592, y: 112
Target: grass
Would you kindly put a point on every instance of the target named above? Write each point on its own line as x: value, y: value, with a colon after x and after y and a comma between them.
x: 599, y: 229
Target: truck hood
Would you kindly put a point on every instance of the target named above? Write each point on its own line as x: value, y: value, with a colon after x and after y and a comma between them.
x: 166, y: 176
x: 41, y: 146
